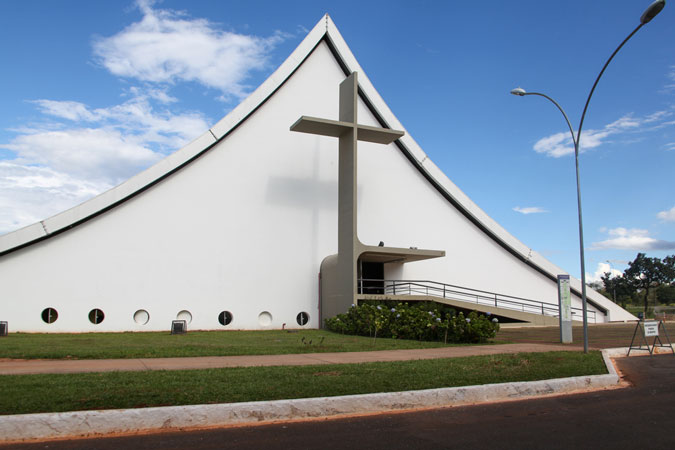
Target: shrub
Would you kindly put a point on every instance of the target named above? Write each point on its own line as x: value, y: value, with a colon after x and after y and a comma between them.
x: 421, y: 321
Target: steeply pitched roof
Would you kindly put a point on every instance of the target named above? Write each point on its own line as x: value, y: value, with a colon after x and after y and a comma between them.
x: 324, y: 31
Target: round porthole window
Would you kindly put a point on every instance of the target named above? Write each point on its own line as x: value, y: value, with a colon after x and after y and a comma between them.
x: 49, y: 315
x: 184, y: 315
x: 225, y: 318
x: 302, y: 318
x: 141, y: 317
x: 96, y: 316
x: 265, y: 319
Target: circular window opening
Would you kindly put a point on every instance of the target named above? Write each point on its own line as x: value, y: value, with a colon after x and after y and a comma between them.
x: 96, y: 316
x: 49, y: 315
x: 184, y: 315
x: 141, y: 317
x: 225, y: 318
x: 302, y: 318
x: 265, y: 319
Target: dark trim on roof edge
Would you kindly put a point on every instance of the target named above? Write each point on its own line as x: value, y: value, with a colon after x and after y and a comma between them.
x: 165, y: 175
x: 408, y: 154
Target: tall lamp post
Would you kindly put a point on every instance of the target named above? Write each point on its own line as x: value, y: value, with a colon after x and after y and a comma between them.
x: 646, y: 17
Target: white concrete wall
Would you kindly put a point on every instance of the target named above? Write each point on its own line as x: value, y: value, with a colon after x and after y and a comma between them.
x: 244, y: 229
x: 400, y: 207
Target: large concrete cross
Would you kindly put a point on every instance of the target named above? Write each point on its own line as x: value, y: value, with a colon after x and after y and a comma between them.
x: 349, y: 132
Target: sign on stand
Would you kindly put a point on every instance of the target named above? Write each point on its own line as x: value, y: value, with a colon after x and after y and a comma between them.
x: 648, y: 329
x: 651, y: 328
x: 565, y: 309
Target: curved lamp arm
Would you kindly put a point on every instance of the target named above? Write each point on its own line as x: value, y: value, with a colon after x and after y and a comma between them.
x: 521, y: 92
x: 588, y: 100
x: 652, y: 11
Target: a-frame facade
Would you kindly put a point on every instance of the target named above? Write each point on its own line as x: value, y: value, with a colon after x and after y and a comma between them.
x: 231, y: 231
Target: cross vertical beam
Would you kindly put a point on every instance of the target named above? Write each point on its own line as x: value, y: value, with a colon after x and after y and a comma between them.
x: 342, y: 288
x: 348, y: 239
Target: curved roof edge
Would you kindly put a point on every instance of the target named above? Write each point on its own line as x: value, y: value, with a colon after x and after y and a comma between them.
x: 107, y: 200
x: 324, y: 29
x: 454, y: 194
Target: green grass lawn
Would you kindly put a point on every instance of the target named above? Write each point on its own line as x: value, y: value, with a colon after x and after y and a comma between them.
x: 70, y: 392
x: 194, y: 343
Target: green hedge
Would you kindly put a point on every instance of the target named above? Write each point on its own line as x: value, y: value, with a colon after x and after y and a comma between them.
x: 421, y: 321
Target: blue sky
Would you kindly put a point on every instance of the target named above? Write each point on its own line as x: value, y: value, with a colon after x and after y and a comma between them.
x: 93, y: 92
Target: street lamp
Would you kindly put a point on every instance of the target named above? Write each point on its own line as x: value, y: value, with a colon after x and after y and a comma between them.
x: 646, y: 17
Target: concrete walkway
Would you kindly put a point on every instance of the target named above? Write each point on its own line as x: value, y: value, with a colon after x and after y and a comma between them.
x: 35, y: 366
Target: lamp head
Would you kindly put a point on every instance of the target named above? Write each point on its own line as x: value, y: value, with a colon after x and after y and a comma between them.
x: 652, y: 11
x: 518, y: 91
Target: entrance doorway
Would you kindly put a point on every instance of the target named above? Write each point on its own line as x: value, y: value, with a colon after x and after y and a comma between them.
x: 372, y: 278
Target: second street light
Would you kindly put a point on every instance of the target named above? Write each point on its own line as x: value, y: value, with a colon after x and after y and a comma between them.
x: 646, y: 17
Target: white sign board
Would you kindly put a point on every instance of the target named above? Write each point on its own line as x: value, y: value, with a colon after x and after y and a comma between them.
x: 651, y: 329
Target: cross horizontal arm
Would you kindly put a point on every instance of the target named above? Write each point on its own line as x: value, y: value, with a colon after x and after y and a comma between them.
x: 324, y: 127
x: 378, y: 135
x: 336, y: 128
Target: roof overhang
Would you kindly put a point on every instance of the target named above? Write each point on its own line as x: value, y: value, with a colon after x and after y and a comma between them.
x: 371, y: 253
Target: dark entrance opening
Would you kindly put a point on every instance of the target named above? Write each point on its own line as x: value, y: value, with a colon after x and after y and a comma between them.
x: 372, y: 278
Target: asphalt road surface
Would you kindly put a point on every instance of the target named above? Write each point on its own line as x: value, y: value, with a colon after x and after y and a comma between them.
x: 639, y: 417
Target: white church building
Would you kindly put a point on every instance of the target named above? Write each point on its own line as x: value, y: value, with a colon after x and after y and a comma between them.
x: 253, y: 225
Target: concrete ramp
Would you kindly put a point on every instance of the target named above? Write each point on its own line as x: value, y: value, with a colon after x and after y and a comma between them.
x: 523, y: 316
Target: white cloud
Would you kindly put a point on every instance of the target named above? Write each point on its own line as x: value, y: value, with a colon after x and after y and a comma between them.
x: 30, y: 193
x: 156, y: 93
x: 631, y: 239
x: 74, y: 111
x: 61, y: 163
x: 602, y: 269
x: 529, y: 210
x: 105, y: 145
x: 95, y: 153
x: 671, y: 79
x: 668, y: 215
x: 77, y: 151
x: 561, y: 144
x: 167, y: 46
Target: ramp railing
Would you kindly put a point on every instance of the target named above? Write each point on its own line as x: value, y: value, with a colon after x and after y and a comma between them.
x: 464, y: 294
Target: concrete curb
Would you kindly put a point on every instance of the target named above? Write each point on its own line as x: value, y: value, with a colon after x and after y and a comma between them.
x: 128, y: 421
x: 621, y: 352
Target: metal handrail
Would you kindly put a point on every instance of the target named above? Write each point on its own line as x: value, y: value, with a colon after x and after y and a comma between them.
x: 461, y: 293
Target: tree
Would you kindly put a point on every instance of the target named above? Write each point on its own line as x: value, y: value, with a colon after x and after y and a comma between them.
x: 618, y: 288
x: 665, y: 294
x: 595, y: 285
x: 645, y: 273
x: 669, y: 268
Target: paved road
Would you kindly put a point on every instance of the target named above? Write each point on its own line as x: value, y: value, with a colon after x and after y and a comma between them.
x: 639, y: 417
